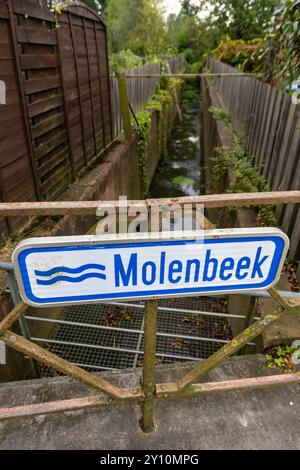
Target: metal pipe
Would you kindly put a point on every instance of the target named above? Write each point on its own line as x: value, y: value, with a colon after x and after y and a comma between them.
x: 14, y: 291
x: 122, y: 330
x: 148, y: 383
x: 6, y: 266
x: 139, y: 343
x: 180, y: 310
x: 44, y: 208
x: 93, y: 366
x: 52, y: 360
x: 108, y: 348
x: 239, y: 341
x: 163, y: 391
x: 249, y: 320
x: 190, y: 75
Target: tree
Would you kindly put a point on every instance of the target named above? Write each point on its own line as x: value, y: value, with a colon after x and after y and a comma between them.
x: 183, y: 31
x: 120, y: 18
x: 149, y: 33
x: 282, y: 53
x: 189, y: 8
x: 135, y: 24
x: 239, y: 19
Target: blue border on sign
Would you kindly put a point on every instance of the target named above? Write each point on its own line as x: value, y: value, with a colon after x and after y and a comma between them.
x: 279, y: 247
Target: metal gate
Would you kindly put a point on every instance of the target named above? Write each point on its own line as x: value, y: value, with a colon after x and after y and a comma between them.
x: 148, y: 391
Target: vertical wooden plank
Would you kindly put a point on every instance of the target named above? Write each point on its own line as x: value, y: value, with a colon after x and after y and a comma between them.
x: 22, y: 96
x: 108, y: 84
x: 260, y: 124
x: 281, y: 118
x: 101, y: 92
x: 266, y: 139
x: 260, y: 156
x: 78, y: 86
x: 290, y: 131
x: 90, y: 84
x: 63, y: 85
x: 275, y: 123
x: 295, y: 235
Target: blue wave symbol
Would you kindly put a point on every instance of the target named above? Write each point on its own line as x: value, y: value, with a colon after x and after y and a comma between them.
x: 60, y: 272
x: 64, y: 269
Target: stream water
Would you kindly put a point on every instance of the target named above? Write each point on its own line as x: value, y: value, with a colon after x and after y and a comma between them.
x: 180, y: 174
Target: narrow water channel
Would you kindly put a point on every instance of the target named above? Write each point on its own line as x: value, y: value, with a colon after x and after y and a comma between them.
x: 180, y: 174
x: 183, y: 329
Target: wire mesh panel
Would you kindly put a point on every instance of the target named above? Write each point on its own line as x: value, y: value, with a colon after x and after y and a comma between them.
x: 100, y: 337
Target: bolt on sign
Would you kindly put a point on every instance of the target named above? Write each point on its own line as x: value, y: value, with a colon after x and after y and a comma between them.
x: 85, y: 269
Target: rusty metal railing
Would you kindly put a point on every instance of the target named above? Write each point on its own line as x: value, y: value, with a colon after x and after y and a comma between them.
x: 148, y: 391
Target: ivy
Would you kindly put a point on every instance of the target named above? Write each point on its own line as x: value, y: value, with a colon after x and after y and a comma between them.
x: 144, y: 120
x: 282, y: 52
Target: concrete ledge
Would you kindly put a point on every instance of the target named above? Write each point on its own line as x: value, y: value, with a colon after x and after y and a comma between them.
x: 264, y: 419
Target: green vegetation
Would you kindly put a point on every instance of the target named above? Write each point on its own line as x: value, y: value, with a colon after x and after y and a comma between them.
x: 281, y: 356
x: 144, y: 120
x: 163, y: 103
x: 220, y: 114
x: 244, y: 55
x: 182, y: 181
x: 261, y: 36
x: 244, y: 176
x: 282, y: 53
x: 137, y: 25
x: 238, y: 19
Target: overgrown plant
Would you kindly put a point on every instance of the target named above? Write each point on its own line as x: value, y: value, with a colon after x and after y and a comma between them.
x: 144, y: 120
x: 281, y: 357
x: 245, y: 178
x: 282, y: 52
x: 163, y: 103
x: 244, y: 55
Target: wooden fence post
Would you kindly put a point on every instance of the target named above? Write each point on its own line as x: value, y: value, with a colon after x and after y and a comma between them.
x: 148, y: 384
x: 124, y: 104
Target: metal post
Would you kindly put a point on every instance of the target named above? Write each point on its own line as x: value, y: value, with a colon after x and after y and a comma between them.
x: 124, y: 106
x: 22, y: 321
x: 249, y: 320
x: 148, y: 383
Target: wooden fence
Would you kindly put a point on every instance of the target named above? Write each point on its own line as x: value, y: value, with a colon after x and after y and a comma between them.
x: 175, y: 63
x: 57, y: 115
x: 270, y: 124
x: 140, y: 90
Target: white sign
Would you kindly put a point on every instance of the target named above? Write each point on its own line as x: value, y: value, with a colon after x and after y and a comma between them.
x: 85, y: 269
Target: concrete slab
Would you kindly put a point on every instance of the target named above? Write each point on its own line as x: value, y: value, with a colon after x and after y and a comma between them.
x: 265, y: 419
x: 287, y: 329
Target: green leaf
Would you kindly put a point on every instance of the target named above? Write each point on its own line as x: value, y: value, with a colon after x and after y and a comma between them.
x: 279, y: 362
